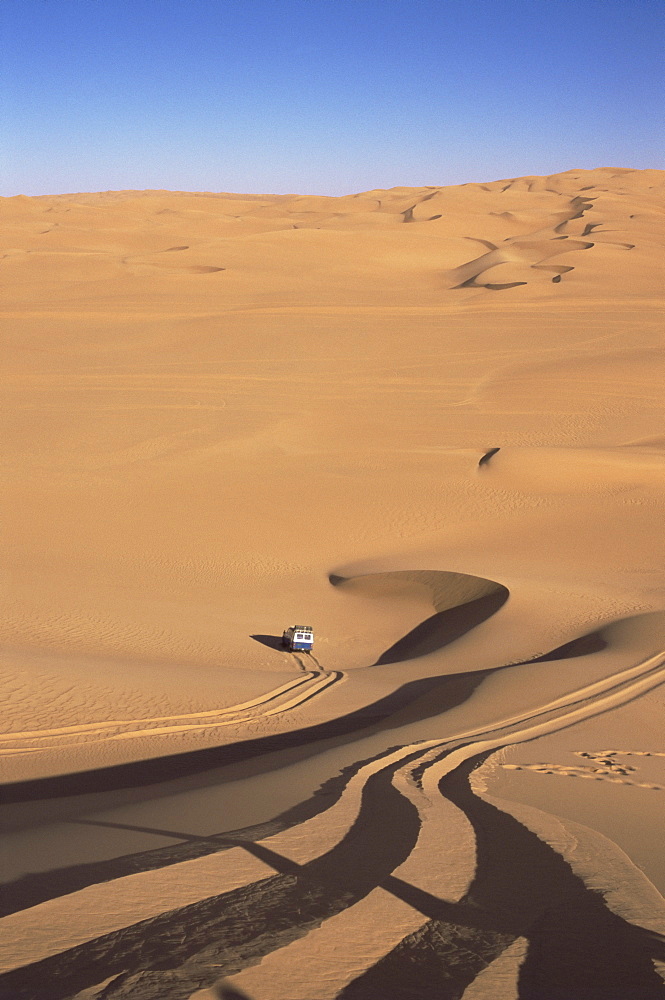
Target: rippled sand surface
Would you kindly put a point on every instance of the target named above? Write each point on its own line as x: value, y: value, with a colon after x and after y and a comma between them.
x: 429, y: 423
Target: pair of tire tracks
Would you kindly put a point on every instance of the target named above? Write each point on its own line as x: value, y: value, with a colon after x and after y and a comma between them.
x: 285, y: 698
x: 236, y: 928
x: 443, y: 886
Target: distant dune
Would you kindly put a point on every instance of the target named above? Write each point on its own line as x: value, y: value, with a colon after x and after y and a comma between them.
x: 427, y: 421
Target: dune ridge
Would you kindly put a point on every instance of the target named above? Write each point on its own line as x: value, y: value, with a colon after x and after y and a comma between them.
x: 428, y: 421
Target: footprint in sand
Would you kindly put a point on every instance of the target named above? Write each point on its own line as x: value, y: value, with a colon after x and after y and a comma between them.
x: 610, y: 769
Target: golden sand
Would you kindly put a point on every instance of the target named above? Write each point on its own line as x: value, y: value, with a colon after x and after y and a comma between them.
x: 427, y: 421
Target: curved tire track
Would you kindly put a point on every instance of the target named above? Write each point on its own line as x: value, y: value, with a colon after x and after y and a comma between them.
x: 249, y: 922
x: 287, y: 906
x: 310, y: 684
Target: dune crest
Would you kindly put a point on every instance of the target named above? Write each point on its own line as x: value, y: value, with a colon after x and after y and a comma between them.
x: 427, y: 422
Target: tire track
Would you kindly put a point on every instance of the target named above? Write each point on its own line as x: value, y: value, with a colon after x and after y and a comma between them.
x: 248, y: 921
x: 523, y: 893
x: 306, y: 686
x: 635, y: 680
x: 32, y: 889
x: 287, y: 906
x: 522, y: 888
x: 302, y: 843
x: 442, y: 863
x: 159, y: 770
x: 463, y: 935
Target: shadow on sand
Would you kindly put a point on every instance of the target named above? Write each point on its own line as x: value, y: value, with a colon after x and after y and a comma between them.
x: 272, y: 641
x: 415, y: 701
x: 578, y: 948
x: 443, y: 628
x: 224, y: 991
x: 436, y: 632
x: 177, y: 952
x: 156, y: 770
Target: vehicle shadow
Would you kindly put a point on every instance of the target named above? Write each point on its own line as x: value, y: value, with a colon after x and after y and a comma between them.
x: 272, y: 641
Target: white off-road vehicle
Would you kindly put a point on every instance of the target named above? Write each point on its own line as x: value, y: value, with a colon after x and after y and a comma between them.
x: 298, y: 638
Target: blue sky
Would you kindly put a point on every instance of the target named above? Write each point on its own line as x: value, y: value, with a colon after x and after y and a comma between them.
x: 323, y: 96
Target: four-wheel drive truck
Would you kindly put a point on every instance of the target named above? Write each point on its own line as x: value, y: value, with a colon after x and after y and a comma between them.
x: 298, y: 637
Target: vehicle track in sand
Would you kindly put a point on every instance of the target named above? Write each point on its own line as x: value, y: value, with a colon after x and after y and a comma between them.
x: 285, y: 698
x: 433, y: 889
x: 324, y: 867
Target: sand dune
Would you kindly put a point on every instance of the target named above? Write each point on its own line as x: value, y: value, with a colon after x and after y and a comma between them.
x: 423, y: 867
x: 429, y: 422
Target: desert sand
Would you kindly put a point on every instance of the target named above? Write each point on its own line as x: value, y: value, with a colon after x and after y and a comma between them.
x: 429, y: 423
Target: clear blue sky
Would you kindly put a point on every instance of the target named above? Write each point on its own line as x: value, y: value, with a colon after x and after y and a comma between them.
x: 323, y: 96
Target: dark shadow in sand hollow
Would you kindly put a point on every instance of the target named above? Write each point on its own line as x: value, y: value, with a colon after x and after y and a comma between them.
x: 488, y: 455
x: 593, y: 642
x: 443, y: 628
x: 272, y: 641
x: 577, y: 947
